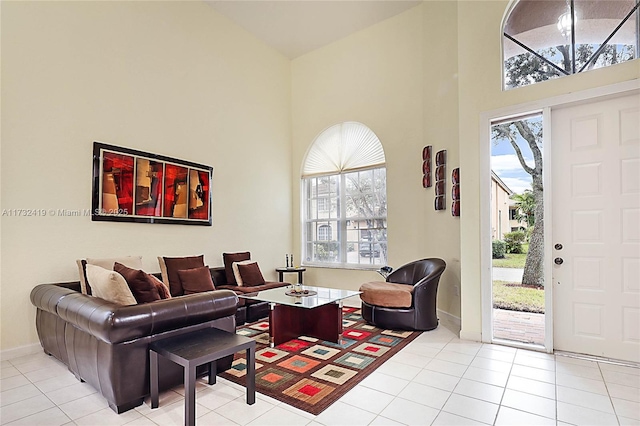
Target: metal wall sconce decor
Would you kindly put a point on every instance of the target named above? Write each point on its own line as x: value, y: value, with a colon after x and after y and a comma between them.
x: 426, y: 166
x: 440, y: 200
x: 137, y: 186
x: 455, y: 192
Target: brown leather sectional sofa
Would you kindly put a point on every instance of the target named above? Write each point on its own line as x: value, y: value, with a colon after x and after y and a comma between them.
x: 106, y: 344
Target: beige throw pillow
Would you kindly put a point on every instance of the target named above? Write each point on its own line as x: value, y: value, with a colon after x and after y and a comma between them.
x: 109, y: 285
x: 236, y: 272
x: 133, y: 262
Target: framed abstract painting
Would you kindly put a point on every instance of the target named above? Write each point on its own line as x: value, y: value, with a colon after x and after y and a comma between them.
x: 136, y: 186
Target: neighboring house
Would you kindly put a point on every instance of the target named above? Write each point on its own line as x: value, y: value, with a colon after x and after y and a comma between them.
x: 503, y: 209
x: 515, y: 224
x: 500, y: 208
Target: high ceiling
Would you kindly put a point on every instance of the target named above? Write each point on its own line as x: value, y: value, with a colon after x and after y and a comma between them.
x: 295, y: 27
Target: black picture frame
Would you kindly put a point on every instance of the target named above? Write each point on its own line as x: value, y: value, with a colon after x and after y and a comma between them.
x: 129, y: 185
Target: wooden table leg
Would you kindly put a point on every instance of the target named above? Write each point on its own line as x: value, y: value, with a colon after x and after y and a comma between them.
x: 190, y: 395
x: 251, y: 375
x: 153, y: 361
x: 213, y: 371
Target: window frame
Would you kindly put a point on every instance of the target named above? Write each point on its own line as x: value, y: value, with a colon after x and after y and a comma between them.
x: 342, y: 221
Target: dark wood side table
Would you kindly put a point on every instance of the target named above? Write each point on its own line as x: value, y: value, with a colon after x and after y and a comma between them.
x: 201, y: 347
x: 282, y: 271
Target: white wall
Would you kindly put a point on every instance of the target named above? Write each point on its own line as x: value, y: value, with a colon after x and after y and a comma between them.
x: 172, y: 78
x: 398, y: 78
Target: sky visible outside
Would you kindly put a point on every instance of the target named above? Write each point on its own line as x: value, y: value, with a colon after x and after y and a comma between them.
x: 504, y: 161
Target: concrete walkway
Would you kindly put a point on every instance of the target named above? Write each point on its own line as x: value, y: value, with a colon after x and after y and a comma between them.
x: 507, y: 274
x: 523, y: 327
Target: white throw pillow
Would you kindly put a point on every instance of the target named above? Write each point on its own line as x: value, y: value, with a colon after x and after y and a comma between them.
x: 133, y: 262
x: 236, y: 272
x: 109, y: 285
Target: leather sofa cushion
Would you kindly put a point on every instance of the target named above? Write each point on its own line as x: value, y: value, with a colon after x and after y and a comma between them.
x: 266, y: 286
x: 196, y: 280
x: 389, y: 295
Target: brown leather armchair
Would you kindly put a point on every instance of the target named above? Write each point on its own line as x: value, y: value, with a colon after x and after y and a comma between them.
x: 419, y: 310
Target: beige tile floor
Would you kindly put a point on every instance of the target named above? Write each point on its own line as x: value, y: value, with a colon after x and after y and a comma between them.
x: 436, y: 380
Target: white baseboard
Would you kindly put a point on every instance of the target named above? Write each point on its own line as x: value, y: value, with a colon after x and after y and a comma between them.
x: 474, y: 336
x: 12, y: 353
x: 452, y: 319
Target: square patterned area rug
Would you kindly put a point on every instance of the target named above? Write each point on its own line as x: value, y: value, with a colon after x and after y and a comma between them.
x: 312, y: 374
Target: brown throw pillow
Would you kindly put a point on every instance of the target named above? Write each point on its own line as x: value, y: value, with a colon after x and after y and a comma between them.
x: 163, y: 290
x: 228, y: 259
x: 175, y: 264
x: 236, y: 272
x: 143, y: 290
x: 196, y: 280
x: 251, y: 275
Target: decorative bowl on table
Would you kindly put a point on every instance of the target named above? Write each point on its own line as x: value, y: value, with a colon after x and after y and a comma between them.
x: 299, y: 292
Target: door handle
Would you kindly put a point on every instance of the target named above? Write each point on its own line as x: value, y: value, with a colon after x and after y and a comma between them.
x: 558, y: 246
x: 558, y: 261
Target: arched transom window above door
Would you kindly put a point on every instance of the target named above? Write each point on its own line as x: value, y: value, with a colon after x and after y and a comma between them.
x: 543, y: 40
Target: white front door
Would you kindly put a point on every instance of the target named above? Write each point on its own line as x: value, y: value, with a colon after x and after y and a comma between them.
x: 595, y: 155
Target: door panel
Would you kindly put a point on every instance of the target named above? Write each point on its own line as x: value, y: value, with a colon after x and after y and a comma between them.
x: 595, y: 151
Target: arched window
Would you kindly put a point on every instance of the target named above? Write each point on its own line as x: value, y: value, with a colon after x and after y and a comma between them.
x: 344, y: 183
x: 555, y: 38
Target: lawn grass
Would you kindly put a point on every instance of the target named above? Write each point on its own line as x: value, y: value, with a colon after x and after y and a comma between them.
x: 517, y: 298
x: 512, y: 260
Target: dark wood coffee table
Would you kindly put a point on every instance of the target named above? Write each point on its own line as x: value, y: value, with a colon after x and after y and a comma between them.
x: 319, y: 315
x: 190, y: 350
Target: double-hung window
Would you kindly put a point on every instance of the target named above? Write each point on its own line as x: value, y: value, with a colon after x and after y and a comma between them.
x: 345, y: 199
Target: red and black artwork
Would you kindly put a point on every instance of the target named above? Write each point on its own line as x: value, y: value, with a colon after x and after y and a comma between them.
x: 198, y: 194
x: 149, y: 174
x: 175, y: 184
x: 136, y: 186
x: 426, y: 166
x: 441, y: 160
x: 455, y: 192
x: 117, y: 184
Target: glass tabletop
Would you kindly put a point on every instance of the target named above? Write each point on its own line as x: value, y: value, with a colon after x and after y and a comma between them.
x: 323, y: 296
